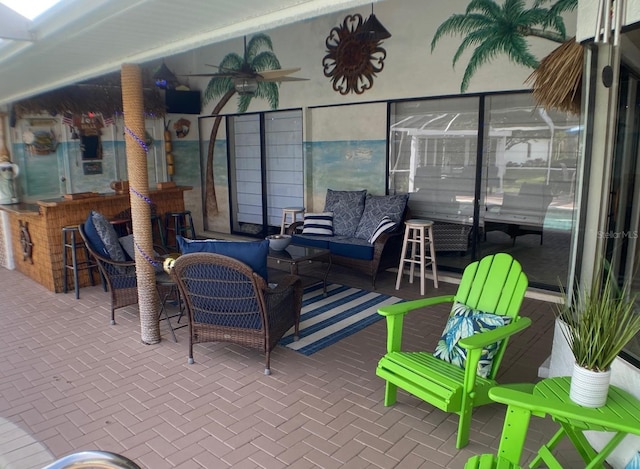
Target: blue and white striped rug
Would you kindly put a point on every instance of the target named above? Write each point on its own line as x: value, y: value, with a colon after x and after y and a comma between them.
x: 326, y: 320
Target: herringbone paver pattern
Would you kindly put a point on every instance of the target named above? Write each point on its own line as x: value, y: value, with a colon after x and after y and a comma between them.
x: 70, y: 381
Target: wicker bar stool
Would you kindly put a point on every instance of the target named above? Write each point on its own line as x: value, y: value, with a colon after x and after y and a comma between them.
x: 180, y: 223
x: 70, y: 245
x: 292, y: 212
x: 418, y: 235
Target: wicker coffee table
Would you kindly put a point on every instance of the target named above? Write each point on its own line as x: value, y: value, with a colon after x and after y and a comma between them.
x: 296, y: 255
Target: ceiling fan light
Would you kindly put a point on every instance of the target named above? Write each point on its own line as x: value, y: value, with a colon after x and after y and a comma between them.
x: 245, y: 86
x: 373, y: 30
x: 165, y: 78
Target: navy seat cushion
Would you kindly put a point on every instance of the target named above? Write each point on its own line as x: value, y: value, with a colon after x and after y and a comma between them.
x: 252, y: 253
x: 354, y: 248
x: 314, y: 241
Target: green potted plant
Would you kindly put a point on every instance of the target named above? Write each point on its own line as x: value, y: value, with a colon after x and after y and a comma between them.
x: 598, y: 322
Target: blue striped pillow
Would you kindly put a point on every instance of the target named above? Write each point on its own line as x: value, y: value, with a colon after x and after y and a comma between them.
x: 320, y: 223
x: 386, y: 224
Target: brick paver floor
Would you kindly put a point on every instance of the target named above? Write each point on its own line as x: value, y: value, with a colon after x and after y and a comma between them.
x: 69, y: 381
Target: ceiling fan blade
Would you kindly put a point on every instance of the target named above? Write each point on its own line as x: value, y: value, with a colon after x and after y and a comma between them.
x: 279, y: 79
x: 219, y: 75
x: 280, y: 72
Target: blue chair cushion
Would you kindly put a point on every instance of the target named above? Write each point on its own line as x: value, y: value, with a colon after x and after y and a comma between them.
x: 103, y: 237
x: 252, y: 253
x: 464, y: 322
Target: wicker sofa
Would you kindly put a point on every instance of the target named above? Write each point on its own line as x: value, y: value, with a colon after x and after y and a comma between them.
x: 356, y: 216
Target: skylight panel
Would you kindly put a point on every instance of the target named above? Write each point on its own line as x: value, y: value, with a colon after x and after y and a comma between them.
x: 30, y: 9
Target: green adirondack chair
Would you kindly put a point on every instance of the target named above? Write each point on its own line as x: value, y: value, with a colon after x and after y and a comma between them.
x: 496, y: 285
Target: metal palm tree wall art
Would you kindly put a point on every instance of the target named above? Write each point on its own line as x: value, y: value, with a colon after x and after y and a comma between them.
x: 353, y: 56
x: 491, y: 29
x: 255, y: 74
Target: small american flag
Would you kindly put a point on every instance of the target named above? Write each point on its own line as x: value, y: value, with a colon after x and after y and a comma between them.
x: 67, y: 118
x: 108, y: 121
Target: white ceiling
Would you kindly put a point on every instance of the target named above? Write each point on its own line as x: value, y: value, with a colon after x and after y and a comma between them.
x: 81, y: 39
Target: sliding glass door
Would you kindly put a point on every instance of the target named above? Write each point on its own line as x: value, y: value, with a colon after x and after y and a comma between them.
x: 495, y: 173
x: 623, y: 249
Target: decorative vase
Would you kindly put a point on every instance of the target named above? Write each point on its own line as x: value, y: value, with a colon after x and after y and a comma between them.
x: 589, y: 388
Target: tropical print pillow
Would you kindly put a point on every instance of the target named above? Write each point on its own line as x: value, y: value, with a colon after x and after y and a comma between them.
x: 464, y: 322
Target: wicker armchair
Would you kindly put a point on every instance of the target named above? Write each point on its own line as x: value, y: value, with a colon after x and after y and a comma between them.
x: 228, y: 302
x: 120, y: 277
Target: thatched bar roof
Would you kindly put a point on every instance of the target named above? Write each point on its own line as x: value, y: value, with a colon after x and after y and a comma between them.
x: 102, y: 95
x: 557, y: 82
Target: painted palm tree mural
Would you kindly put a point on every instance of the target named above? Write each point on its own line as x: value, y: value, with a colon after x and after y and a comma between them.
x: 491, y: 29
x: 258, y: 56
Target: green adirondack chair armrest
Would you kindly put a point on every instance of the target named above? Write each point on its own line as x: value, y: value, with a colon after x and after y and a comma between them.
x: 478, y: 341
x: 406, y: 306
x: 395, y: 316
x: 482, y: 339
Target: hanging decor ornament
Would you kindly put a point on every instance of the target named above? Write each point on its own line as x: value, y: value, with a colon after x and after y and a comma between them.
x: 353, y: 56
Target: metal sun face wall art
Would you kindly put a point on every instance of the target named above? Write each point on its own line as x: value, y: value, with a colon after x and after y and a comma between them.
x: 353, y: 59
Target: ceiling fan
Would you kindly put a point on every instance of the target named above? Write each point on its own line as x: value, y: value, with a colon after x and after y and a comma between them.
x: 246, y: 78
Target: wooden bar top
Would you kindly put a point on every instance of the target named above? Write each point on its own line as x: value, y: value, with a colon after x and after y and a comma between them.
x: 111, y: 195
x: 21, y: 208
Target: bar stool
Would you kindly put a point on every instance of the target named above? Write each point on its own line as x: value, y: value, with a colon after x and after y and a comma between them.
x: 122, y: 226
x: 419, y: 234
x: 293, y: 212
x: 122, y: 223
x: 181, y: 224
x: 157, y: 225
x: 71, y: 243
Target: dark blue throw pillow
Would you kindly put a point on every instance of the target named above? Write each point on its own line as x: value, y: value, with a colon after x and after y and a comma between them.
x: 94, y: 238
x: 252, y: 253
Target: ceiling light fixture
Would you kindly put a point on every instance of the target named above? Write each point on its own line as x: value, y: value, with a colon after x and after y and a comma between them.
x: 372, y: 29
x: 245, y: 86
x: 165, y: 78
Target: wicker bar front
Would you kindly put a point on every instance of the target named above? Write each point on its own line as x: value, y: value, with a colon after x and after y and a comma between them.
x: 45, y: 220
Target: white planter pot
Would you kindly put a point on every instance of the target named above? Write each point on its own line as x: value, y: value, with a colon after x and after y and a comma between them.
x: 589, y: 388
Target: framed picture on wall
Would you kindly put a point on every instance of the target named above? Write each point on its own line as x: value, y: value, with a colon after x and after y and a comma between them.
x: 93, y: 167
x: 39, y: 136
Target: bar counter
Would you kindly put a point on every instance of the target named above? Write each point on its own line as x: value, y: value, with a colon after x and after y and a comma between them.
x: 34, y: 235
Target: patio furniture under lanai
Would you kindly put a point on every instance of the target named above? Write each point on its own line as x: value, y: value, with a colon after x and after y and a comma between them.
x: 458, y: 377
x: 228, y: 302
